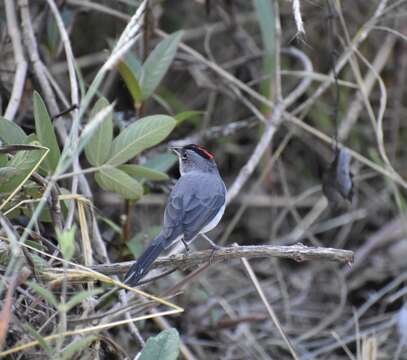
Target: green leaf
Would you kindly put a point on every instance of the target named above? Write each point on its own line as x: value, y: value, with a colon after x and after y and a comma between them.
x: 143, y: 172
x: 158, y: 63
x: 66, y: 241
x: 39, y: 262
x: 3, y: 160
x: 113, y: 179
x: 8, y: 172
x: 44, y: 293
x: 78, y: 298
x: 76, y: 346
x: 164, y: 346
x: 11, y: 133
x: 266, y: 16
x: 24, y: 161
x: 139, y: 136
x: 185, y: 115
x: 37, y: 336
x: 130, y: 78
x: 32, y: 138
x: 97, y: 150
x: 161, y: 162
x: 45, y: 132
x: 45, y: 215
x: 53, y: 38
x: 135, y: 244
x: 37, y: 245
x: 113, y: 226
x: 89, y: 129
x: 34, y: 191
x: 133, y: 63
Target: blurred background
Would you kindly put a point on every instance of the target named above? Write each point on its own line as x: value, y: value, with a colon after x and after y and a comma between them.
x: 337, y: 72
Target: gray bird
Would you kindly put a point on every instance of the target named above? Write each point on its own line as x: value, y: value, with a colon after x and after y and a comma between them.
x: 195, y: 206
x: 337, y: 182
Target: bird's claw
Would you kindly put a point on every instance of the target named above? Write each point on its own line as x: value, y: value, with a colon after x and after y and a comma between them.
x: 215, y: 248
x: 212, y: 255
x: 187, y: 249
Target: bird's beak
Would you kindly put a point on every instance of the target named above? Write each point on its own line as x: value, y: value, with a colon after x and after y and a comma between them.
x: 176, y: 149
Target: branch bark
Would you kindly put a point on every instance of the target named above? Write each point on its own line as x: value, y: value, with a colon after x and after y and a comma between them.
x: 297, y: 252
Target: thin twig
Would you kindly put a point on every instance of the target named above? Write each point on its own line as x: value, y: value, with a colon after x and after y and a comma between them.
x: 356, y: 106
x: 21, y: 63
x: 272, y: 125
x: 297, y: 17
x: 74, y: 100
x: 55, y: 207
x: 332, y: 36
x: 269, y: 308
x: 35, y: 59
x: 360, y: 36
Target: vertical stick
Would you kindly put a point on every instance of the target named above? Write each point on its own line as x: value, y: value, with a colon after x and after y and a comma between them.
x: 270, y: 310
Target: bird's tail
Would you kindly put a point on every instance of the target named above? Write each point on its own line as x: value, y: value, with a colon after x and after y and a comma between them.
x: 141, y: 267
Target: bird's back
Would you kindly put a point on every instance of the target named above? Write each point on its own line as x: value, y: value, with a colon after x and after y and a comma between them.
x: 195, y: 200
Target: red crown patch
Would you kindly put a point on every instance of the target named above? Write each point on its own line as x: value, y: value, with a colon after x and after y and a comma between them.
x: 200, y: 151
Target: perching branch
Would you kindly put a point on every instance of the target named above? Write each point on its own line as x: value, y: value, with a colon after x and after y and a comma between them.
x: 294, y: 252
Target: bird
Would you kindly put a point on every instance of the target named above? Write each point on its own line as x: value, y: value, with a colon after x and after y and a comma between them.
x: 195, y: 206
x: 337, y: 182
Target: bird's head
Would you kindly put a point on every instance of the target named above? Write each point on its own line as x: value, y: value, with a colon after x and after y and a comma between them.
x: 194, y: 158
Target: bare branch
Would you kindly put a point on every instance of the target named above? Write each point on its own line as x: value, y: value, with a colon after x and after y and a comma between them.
x: 35, y: 59
x: 258, y: 152
x: 297, y: 17
x: 294, y: 252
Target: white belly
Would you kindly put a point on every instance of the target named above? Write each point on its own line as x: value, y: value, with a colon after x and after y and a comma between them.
x: 214, y: 222
x: 207, y: 228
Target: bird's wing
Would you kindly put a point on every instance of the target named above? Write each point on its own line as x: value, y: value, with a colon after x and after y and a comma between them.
x: 343, y: 173
x: 191, y: 206
x: 200, y: 212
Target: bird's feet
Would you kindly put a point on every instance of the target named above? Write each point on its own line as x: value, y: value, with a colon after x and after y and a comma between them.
x: 214, y: 248
x: 211, y: 243
x: 211, y: 257
x: 187, y: 249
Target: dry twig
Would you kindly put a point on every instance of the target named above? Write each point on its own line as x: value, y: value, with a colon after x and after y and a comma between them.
x: 294, y: 252
x: 21, y: 63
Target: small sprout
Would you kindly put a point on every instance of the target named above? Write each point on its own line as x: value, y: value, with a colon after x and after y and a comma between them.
x: 66, y: 241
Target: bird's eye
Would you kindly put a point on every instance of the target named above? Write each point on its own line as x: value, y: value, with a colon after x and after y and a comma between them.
x: 184, y: 156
